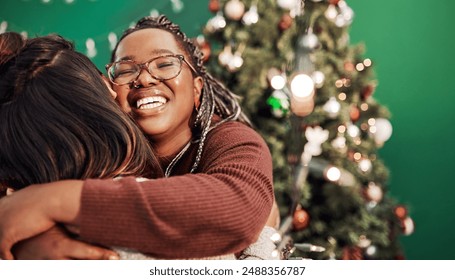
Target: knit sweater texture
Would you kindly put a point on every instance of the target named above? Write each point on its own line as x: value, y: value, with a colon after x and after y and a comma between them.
x: 220, y: 209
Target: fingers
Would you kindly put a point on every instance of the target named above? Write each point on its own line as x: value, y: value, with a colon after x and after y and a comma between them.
x: 6, y: 255
x: 83, y: 251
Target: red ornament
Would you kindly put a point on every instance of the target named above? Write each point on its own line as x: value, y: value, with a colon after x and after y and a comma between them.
x: 354, y: 113
x: 367, y: 91
x: 214, y: 6
x: 401, y: 212
x: 285, y: 22
x: 301, y: 219
x: 334, y: 2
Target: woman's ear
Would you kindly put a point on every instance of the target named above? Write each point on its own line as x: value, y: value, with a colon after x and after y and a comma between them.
x: 108, y: 84
x: 198, y: 83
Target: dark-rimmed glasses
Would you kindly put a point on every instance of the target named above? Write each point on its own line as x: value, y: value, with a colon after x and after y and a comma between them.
x: 162, y: 68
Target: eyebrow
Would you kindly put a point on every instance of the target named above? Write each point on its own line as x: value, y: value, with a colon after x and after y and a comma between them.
x: 155, y: 52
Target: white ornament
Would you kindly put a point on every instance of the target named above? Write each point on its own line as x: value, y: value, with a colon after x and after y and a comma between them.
x: 225, y: 56
x: 216, y: 23
x: 332, y: 107
x: 339, y: 143
x: 287, y: 4
x: 234, y: 9
x: 251, y: 16
x: 383, y: 131
x: 318, y: 78
x: 365, y: 165
x: 235, y: 63
x: 353, y: 130
x: 315, y: 137
x: 309, y: 41
x: 374, y: 192
x: 408, y: 225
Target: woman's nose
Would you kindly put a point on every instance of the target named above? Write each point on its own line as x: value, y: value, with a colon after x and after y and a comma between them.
x: 145, y: 78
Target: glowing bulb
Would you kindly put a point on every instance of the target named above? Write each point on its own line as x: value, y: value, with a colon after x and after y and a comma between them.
x: 302, y: 86
x: 333, y: 174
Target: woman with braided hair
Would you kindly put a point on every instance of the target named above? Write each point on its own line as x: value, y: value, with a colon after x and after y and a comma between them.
x: 216, y: 194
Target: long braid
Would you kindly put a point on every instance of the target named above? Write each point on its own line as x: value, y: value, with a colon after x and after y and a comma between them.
x: 216, y: 98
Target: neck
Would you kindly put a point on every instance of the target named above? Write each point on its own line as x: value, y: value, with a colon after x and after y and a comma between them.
x: 170, y: 146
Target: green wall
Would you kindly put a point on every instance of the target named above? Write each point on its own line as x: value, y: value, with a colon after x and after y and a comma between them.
x: 412, y: 47
x: 410, y: 43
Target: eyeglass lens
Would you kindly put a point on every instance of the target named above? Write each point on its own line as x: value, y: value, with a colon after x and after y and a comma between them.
x: 161, y: 68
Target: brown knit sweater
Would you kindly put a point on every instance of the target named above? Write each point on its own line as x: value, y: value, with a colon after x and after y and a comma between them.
x: 221, y: 209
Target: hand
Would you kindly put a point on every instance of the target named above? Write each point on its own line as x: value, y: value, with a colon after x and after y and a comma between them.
x: 55, y: 244
x: 35, y: 209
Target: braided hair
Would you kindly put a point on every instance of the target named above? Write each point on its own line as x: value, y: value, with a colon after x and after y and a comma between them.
x: 216, y: 98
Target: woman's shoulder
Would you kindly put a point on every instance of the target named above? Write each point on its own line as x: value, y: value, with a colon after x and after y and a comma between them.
x: 235, y: 129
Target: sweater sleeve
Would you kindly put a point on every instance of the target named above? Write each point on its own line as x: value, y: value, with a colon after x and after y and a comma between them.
x: 219, y: 210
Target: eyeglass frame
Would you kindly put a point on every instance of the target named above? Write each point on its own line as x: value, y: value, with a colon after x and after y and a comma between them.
x: 145, y: 66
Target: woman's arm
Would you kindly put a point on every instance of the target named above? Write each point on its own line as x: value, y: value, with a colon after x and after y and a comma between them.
x: 56, y: 244
x: 220, y: 210
x: 34, y: 210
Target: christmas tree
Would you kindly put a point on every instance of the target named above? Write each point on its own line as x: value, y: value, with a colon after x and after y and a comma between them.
x: 309, y: 92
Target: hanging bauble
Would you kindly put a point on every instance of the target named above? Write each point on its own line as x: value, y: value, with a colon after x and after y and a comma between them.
x: 407, y: 225
x: 214, y: 6
x: 216, y: 23
x: 382, y: 131
x: 339, y: 143
x: 353, y: 130
x: 332, y: 107
x: 318, y: 78
x: 235, y: 63
x: 370, y: 251
x: 276, y: 78
x: 234, y: 9
x: 287, y: 4
x: 354, y: 113
x: 309, y: 41
x: 285, y: 21
x: 373, y: 192
x: 365, y: 165
x: 301, y: 219
x: 401, y: 212
x: 225, y: 56
x: 251, y: 16
x: 367, y: 91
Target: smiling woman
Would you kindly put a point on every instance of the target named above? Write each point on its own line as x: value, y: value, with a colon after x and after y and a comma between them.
x: 216, y: 194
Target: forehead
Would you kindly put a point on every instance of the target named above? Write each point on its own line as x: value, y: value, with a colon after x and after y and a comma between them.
x: 143, y: 44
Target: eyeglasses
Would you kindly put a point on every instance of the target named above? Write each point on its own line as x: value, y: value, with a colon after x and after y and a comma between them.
x: 161, y: 68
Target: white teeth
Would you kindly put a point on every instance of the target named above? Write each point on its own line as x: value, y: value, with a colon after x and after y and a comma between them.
x: 150, y: 102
